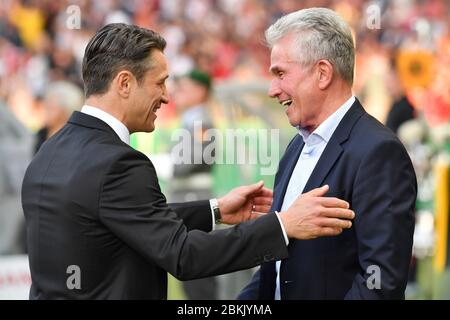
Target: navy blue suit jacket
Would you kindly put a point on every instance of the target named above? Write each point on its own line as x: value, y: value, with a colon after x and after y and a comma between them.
x: 365, y: 164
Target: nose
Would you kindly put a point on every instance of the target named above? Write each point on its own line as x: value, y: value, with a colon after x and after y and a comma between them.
x: 274, y: 89
x: 165, y: 96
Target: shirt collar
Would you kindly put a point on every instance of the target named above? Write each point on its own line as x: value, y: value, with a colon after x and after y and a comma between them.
x: 119, y: 128
x: 326, y: 129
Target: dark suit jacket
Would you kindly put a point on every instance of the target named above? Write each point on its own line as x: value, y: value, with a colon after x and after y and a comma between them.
x: 92, y: 201
x: 366, y: 165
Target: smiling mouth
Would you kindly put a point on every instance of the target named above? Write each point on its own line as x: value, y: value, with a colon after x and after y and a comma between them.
x: 286, y: 103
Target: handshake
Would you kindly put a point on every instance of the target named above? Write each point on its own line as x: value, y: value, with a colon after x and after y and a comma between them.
x: 310, y: 216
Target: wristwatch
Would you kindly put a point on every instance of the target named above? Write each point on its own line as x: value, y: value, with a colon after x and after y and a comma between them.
x: 216, y: 210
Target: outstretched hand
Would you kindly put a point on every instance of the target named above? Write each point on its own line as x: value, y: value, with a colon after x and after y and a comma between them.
x: 245, y: 203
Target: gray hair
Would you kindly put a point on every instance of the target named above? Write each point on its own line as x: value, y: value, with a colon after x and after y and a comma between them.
x: 319, y: 34
x: 68, y: 96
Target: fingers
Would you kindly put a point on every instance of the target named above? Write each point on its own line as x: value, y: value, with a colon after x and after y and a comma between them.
x: 329, y: 232
x: 264, y: 192
x: 318, y: 192
x: 333, y: 203
x: 252, y: 188
x: 256, y: 215
x: 262, y: 201
x: 338, y: 213
x: 335, y: 223
x: 263, y: 208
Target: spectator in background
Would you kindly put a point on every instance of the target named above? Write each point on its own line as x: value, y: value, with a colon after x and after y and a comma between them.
x: 401, y: 110
x: 193, y: 181
x: 15, y: 154
x: 61, y: 99
x: 191, y: 100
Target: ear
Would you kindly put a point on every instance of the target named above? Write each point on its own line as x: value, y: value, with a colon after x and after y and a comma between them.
x: 325, y: 73
x: 123, y: 83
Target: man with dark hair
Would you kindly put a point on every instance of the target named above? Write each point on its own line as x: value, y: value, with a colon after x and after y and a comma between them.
x: 115, y: 47
x: 98, y: 226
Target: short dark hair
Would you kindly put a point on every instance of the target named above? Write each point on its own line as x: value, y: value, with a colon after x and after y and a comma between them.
x: 114, y: 47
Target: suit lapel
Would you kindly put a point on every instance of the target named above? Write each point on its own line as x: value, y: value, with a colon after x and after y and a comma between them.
x: 329, y: 156
x: 334, y: 148
x: 292, y: 157
x: 268, y: 274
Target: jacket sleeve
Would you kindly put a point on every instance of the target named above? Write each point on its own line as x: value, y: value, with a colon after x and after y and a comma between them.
x: 196, y: 215
x: 132, y: 206
x: 384, y: 196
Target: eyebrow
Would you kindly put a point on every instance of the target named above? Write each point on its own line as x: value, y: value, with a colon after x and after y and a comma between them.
x: 275, y: 69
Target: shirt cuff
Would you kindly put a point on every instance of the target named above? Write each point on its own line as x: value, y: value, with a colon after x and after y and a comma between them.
x: 286, y: 239
x: 212, y: 216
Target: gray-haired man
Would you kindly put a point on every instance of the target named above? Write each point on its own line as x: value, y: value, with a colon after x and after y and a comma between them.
x: 339, y: 144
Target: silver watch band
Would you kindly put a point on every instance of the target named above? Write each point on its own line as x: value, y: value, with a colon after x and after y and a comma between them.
x: 216, y: 210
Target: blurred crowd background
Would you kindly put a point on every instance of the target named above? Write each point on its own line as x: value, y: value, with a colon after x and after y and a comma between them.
x: 402, y: 78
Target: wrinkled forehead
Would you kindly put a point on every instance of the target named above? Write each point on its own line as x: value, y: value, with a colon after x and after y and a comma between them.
x: 281, y: 55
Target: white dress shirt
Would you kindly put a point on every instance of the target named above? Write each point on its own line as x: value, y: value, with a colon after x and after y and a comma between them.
x: 124, y: 134
x: 315, y: 144
x: 119, y: 128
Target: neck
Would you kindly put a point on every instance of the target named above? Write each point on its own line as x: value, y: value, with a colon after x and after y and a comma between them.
x: 109, y: 105
x: 331, y: 101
